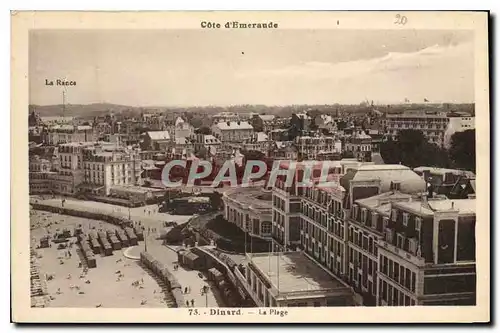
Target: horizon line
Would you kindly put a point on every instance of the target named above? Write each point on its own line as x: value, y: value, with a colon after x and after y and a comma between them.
x: 250, y: 104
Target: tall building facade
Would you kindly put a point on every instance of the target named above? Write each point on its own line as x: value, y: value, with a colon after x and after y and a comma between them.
x: 377, y: 231
x: 432, y: 124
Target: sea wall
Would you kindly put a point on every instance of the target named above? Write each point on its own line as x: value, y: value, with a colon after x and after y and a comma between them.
x: 162, y: 272
x: 110, y: 218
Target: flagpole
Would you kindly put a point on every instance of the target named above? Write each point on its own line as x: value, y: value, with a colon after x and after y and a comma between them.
x: 269, y: 255
x: 251, y: 245
x: 278, y: 272
x: 245, y: 243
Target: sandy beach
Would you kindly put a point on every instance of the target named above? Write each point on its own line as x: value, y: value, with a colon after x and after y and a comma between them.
x: 100, y: 287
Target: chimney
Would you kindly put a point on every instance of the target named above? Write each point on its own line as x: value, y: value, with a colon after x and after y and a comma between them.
x: 239, y: 122
x: 228, y: 123
x: 452, y: 205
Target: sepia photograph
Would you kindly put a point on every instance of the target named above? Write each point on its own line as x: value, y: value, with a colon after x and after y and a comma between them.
x: 235, y: 166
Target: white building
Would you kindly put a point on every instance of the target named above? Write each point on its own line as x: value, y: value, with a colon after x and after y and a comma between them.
x: 180, y: 129
x: 258, y: 141
x: 208, y: 142
x: 59, y: 134
x: 70, y: 168
x: 250, y: 209
x: 105, y: 167
x: 292, y: 279
x: 432, y: 124
x: 309, y: 147
x: 458, y: 123
x: 156, y: 140
x: 233, y: 131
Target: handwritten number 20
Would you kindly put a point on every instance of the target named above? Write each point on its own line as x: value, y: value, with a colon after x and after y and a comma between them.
x: 401, y: 19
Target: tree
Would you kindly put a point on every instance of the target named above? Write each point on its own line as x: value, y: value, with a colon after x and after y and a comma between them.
x: 203, y: 130
x: 412, y: 149
x: 253, y: 155
x: 216, y: 200
x: 341, y: 125
x: 463, y: 150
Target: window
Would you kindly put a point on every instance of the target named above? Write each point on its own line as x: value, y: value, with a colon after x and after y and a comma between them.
x: 385, y: 222
x: 374, y: 220
x: 384, y: 291
x: 400, y: 241
x: 388, y: 235
x: 418, y: 223
x: 405, y: 219
x: 364, y: 215
x: 395, y: 186
x: 394, y: 215
x: 266, y: 228
x: 395, y: 297
x: 413, y: 246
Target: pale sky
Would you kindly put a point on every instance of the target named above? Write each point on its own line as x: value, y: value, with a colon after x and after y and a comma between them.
x: 274, y: 67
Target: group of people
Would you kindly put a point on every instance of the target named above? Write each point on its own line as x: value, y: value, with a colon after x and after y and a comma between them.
x: 135, y: 283
x: 152, y: 210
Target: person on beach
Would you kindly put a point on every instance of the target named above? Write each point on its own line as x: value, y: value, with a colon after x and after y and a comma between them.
x: 187, y: 304
x: 185, y: 290
x: 192, y: 302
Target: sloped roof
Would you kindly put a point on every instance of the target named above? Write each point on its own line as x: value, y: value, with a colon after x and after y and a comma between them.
x: 473, y: 184
x: 266, y: 117
x: 382, y: 199
x: 261, y: 137
x: 387, y: 173
x: 178, y: 121
x: 464, y: 206
x: 441, y: 171
x: 159, y: 135
x: 210, y: 139
x: 234, y: 125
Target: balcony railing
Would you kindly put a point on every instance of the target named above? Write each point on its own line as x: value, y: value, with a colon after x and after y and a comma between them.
x: 402, y: 253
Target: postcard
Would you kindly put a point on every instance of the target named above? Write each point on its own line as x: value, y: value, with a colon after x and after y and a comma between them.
x: 250, y: 167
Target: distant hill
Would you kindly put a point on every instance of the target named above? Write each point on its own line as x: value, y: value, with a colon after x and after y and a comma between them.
x: 92, y: 110
x: 80, y: 110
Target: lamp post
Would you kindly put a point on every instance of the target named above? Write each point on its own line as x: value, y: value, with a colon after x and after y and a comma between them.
x: 205, y: 291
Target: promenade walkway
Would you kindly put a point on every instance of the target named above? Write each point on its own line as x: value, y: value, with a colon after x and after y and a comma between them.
x: 187, y: 278
x: 147, y: 215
